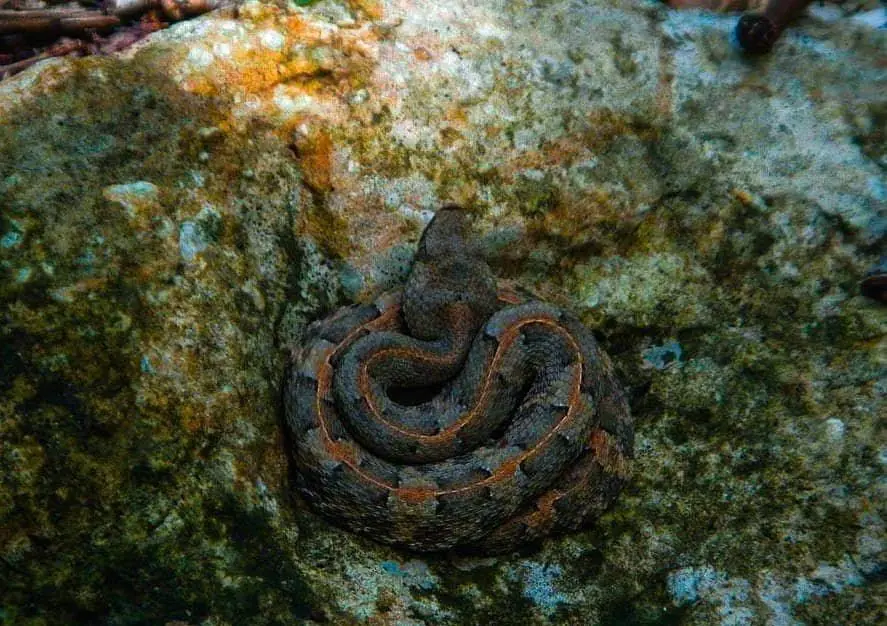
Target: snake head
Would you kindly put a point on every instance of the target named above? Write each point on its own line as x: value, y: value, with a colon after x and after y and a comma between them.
x: 447, y: 236
x: 448, y: 271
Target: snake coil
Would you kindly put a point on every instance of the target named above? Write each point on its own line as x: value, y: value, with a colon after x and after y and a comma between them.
x: 453, y: 416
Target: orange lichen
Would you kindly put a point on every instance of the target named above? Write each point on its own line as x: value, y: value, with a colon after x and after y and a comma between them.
x: 552, y: 153
x: 314, y: 152
x: 329, y: 230
x: 607, y: 125
x: 371, y: 8
x: 575, y: 222
x: 422, y: 54
x: 745, y: 198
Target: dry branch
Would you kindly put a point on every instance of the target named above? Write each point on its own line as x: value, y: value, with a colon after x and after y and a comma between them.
x: 54, y: 21
x: 129, y: 21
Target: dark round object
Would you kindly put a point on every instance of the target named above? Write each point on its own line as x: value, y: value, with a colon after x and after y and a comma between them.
x: 756, y: 33
x: 874, y: 285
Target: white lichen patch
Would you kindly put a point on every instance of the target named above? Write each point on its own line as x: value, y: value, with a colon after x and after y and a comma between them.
x: 734, y: 601
x: 200, y: 58
x: 636, y: 290
x: 138, y: 199
x: 272, y: 39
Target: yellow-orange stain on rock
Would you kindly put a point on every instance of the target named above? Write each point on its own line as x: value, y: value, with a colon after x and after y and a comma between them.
x: 314, y: 152
x: 372, y: 9
x: 421, y: 54
x: 575, y: 221
x: 328, y: 229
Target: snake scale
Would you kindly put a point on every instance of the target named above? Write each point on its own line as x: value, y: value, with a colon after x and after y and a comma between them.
x: 452, y: 415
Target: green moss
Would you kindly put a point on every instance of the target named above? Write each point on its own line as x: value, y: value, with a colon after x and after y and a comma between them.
x: 143, y: 475
x: 536, y: 198
x: 662, y: 290
x: 856, y: 606
x: 116, y: 504
x: 479, y: 593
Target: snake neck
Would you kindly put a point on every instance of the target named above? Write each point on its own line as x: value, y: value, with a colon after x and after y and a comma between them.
x: 450, y: 289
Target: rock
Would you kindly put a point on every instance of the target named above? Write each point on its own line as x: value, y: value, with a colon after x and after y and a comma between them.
x: 174, y: 216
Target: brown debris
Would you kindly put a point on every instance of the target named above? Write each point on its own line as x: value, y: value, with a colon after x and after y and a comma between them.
x: 55, y: 21
x: 874, y: 285
x: 718, y: 6
x: 757, y: 32
x: 29, y: 35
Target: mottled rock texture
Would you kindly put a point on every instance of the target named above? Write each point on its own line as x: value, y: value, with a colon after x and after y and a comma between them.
x: 171, y: 219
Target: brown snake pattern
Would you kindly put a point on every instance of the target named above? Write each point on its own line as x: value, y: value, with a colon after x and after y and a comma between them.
x: 453, y: 415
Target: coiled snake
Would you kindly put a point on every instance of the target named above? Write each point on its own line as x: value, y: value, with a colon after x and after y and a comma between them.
x: 453, y: 415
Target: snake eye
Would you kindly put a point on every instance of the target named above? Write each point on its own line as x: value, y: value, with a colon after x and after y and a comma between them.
x: 568, y: 437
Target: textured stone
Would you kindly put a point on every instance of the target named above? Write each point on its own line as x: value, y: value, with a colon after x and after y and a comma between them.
x: 624, y: 160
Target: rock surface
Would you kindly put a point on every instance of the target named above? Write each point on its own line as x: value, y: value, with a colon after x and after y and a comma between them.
x: 172, y: 218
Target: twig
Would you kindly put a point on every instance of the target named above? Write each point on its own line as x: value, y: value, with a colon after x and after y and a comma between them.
x: 173, y: 9
x: 76, y: 21
x: 18, y: 66
x: 62, y: 47
x: 20, y: 26
x: 65, y: 22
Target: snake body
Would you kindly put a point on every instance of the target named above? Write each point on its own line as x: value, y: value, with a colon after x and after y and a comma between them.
x: 453, y: 415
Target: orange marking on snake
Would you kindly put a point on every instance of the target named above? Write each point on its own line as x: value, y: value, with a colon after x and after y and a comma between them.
x: 602, y: 447
x: 508, y: 338
x: 575, y: 468
x: 413, y: 493
x: 544, y: 509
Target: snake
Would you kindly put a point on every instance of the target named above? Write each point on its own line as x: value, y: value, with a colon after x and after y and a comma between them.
x: 455, y: 414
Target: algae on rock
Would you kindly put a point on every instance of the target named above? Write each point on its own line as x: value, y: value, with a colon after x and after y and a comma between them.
x: 170, y: 219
